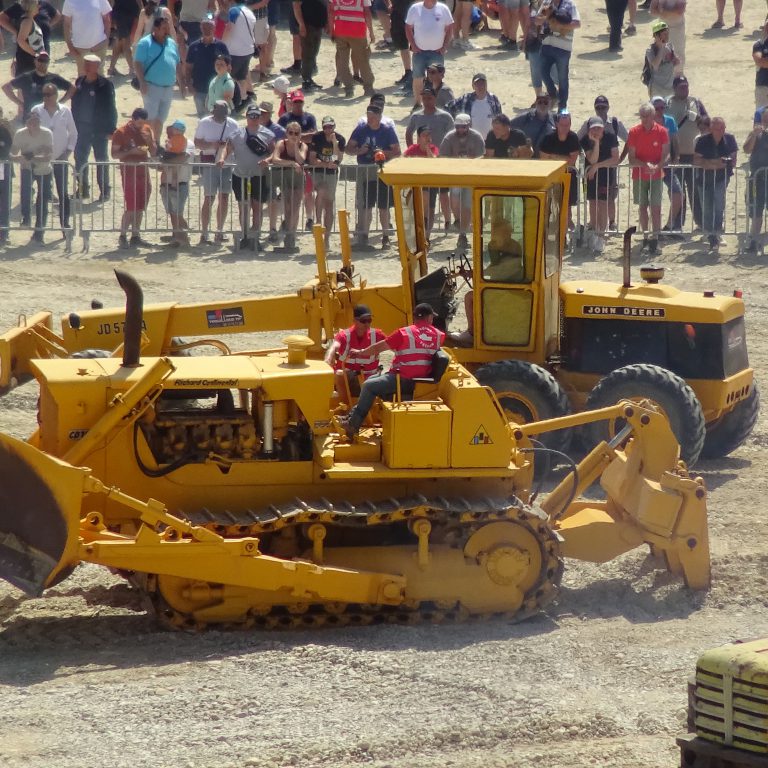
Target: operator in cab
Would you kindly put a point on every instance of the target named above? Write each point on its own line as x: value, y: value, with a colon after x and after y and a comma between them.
x: 345, y: 354
x: 414, y: 347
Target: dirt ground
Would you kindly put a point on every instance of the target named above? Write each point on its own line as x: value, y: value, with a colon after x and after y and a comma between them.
x: 599, y: 679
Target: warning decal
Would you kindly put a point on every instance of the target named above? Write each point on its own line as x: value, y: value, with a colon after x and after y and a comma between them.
x: 481, y: 437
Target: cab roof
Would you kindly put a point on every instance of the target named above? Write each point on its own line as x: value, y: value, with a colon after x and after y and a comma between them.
x: 509, y: 175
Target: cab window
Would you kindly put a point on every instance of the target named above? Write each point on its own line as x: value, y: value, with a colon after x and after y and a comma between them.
x: 552, y: 254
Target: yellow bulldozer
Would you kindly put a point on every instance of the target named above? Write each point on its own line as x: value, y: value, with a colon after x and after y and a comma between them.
x: 225, y: 489
x: 547, y: 348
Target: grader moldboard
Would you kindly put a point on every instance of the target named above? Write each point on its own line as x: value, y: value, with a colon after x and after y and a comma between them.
x: 547, y: 348
x: 224, y: 489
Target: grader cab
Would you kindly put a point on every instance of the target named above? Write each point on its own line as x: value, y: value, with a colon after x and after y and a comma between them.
x: 547, y: 348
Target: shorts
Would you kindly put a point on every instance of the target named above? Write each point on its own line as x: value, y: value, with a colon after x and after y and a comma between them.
x: 216, y: 180
x: 464, y: 194
x: 240, y: 67
x: 647, y: 191
x: 273, y: 13
x: 123, y: 25
x: 259, y: 188
x: 192, y: 28
x: 175, y: 198
x: 602, y: 186
x: 399, y: 39
x: 512, y: 5
x: 325, y: 182
x: 672, y: 182
x: 378, y: 5
x: 286, y: 178
x: 374, y: 194
x: 136, y: 187
x: 293, y: 25
x: 423, y: 59
x: 757, y: 193
x: 157, y: 101
x: 761, y: 96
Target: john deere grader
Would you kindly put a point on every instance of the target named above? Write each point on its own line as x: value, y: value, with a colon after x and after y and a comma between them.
x: 224, y: 489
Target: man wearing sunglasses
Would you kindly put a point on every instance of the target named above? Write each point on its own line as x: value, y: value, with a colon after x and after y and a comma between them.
x: 346, y: 357
x: 435, y: 75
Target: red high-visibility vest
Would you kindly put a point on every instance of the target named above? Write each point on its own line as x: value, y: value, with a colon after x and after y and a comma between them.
x: 350, y: 356
x: 415, y: 360
x: 348, y: 18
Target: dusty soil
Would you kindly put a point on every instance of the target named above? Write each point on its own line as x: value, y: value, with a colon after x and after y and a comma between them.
x: 597, y: 680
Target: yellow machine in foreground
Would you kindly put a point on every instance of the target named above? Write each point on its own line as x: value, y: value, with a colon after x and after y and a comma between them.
x: 728, y: 708
x: 547, y: 348
x: 223, y: 487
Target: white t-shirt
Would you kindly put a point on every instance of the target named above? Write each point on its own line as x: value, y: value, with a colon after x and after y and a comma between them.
x: 429, y: 25
x: 209, y: 130
x: 244, y: 33
x: 87, y: 26
x: 482, y: 116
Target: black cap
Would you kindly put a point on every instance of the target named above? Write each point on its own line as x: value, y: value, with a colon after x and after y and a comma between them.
x: 678, y: 80
x: 423, y: 310
x: 361, y: 310
x: 423, y: 128
x: 375, y: 108
x: 601, y: 100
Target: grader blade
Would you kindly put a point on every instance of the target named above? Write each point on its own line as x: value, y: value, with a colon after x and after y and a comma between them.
x: 40, y: 500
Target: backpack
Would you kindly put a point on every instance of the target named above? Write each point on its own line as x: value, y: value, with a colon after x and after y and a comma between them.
x: 646, y: 74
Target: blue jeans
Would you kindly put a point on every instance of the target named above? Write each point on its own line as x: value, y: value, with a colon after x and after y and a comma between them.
x: 376, y: 386
x: 712, y: 202
x: 43, y: 197
x: 88, y: 139
x: 534, y: 62
x: 423, y: 59
x: 561, y: 59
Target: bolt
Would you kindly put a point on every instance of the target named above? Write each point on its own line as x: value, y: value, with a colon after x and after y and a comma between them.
x: 691, y: 543
x: 645, y: 419
x: 700, y: 493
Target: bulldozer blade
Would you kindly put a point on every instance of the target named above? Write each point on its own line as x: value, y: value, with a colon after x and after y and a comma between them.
x: 40, y: 502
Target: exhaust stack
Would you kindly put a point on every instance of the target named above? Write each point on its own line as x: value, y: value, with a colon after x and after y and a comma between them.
x: 627, y: 257
x: 134, y: 315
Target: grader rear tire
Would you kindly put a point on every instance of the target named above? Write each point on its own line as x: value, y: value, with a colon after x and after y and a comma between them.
x: 731, y: 430
x: 665, y: 390
x: 527, y: 393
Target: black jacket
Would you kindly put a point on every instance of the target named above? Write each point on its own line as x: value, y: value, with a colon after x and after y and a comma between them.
x: 105, y: 109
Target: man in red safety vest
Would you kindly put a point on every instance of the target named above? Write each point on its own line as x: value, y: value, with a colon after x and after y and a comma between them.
x: 346, y: 356
x: 414, y: 347
x: 350, y: 24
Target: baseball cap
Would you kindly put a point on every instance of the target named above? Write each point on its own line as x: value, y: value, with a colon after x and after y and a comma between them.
x: 92, y: 57
x: 139, y: 114
x: 375, y: 108
x: 423, y: 310
x: 220, y: 103
x: 659, y: 26
x: 208, y: 19
x: 327, y: 120
x: 602, y: 101
x: 266, y: 106
x: 297, y: 95
x: 252, y: 111
x: 281, y: 84
x: 44, y: 55
x: 437, y: 67
x: 478, y: 76
x: 595, y: 121
x: 462, y: 119
x: 679, y: 80
x: 179, y: 125
x: 658, y: 100
x: 361, y: 310
x: 423, y: 128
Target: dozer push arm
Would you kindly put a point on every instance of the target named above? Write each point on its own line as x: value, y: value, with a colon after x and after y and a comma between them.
x: 651, y: 498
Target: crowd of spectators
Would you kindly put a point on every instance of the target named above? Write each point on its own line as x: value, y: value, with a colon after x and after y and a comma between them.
x: 206, y: 49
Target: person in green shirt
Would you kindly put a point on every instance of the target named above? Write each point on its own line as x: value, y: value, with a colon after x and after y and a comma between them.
x: 222, y: 87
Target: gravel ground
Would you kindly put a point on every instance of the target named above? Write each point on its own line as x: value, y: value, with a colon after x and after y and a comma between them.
x: 598, y: 679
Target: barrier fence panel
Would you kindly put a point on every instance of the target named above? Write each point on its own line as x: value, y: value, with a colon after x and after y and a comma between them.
x: 187, y: 200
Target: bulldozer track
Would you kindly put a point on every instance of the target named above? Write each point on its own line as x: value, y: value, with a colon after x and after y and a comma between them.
x: 455, y: 520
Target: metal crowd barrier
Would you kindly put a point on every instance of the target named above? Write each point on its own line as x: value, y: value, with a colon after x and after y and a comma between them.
x: 356, y: 187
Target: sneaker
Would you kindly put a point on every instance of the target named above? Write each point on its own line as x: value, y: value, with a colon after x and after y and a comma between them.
x: 503, y: 40
x: 470, y: 46
x: 383, y: 45
x: 294, y: 69
x: 512, y: 45
x: 310, y: 85
x: 105, y: 196
x: 220, y: 237
x: 25, y: 221
x: 462, y: 244
x: 290, y: 240
x: 37, y: 237
x: 204, y: 240
x: 246, y: 243
x: 349, y: 92
x: 137, y: 242
x: 122, y: 242
x: 630, y: 30
x: 653, y: 246
x: 273, y: 237
x: 385, y: 242
x: 83, y: 193
x: 406, y: 78
x: 309, y: 224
